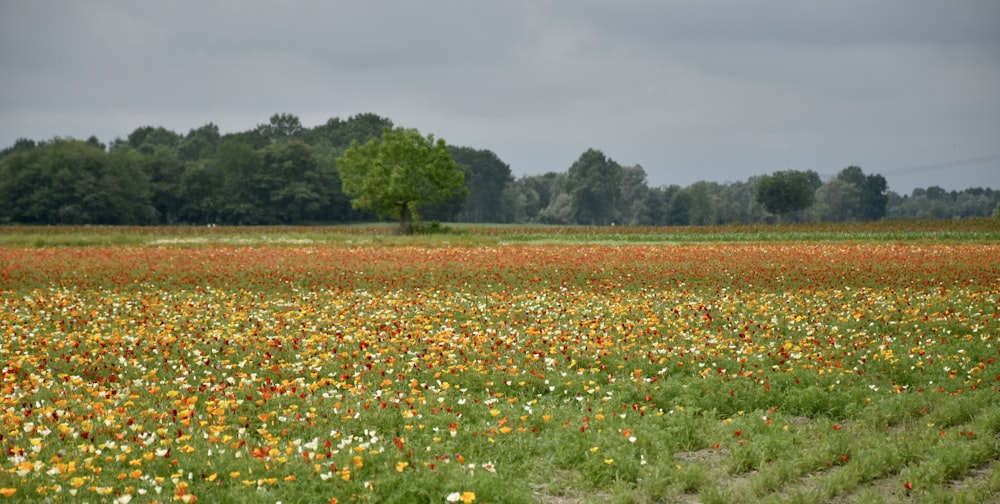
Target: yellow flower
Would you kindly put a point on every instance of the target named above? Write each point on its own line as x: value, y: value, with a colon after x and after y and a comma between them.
x: 468, y: 497
x: 8, y: 492
x: 401, y: 465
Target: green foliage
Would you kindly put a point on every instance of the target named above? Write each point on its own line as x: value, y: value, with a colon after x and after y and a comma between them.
x: 283, y: 172
x: 595, y: 185
x: 871, y: 193
x: 486, y: 178
x: 395, y: 175
x: 74, y: 182
x: 784, y: 192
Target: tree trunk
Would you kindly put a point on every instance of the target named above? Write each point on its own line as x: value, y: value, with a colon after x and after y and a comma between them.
x: 405, y: 226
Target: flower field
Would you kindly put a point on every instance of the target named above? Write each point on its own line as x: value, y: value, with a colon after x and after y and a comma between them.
x: 552, y: 372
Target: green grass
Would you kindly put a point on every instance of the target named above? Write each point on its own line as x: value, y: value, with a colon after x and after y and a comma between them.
x: 978, y: 230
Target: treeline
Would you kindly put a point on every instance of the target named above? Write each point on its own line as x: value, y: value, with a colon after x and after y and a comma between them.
x: 284, y: 173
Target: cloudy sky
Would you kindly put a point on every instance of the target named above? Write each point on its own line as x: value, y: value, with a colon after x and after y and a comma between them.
x: 689, y: 89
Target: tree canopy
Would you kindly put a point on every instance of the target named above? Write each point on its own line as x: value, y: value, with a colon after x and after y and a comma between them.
x: 282, y: 172
x: 784, y: 192
x: 595, y: 184
x: 398, y: 173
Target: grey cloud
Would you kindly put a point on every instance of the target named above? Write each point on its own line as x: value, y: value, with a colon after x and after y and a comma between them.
x: 689, y: 89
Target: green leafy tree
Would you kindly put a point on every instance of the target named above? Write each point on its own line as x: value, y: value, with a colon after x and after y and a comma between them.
x: 339, y: 133
x: 595, y: 185
x: 538, y: 192
x: 242, y: 201
x: 836, y: 201
x: 337, y: 207
x: 199, y: 143
x: 737, y: 203
x: 872, y: 198
x: 705, y: 197
x: 678, y: 207
x: 200, y: 192
x: 397, y: 174
x: 635, y: 197
x: 164, y: 172
x: 486, y: 178
x: 147, y: 139
x: 784, y: 192
x: 74, y: 182
x: 281, y: 128
x: 292, y: 178
x: 559, y: 209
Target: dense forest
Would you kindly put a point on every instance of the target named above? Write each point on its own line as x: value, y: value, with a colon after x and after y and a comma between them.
x: 283, y: 173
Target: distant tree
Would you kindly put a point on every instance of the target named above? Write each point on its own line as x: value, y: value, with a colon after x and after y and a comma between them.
x: 364, y: 127
x: 634, y: 203
x: 397, y: 174
x: 513, y: 204
x: 784, y: 192
x: 73, y: 182
x: 164, y: 171
x: 21, y: 145
x: 147, y: 139
x: 678, y: 206
x: 872, y: 198
x: 653, y: 213
x: 559, y: 208
x: 559, y: 211
x: 93, y: 141
x: 486, y: 178
x: 595, y: 186
x: 524, y: 195
x: 538, y: 189
x: 199, y: 143
x: 736, y: 203
x: 281, y: 127
x: 936, y: 203
x: 292, y: 181
x: 705, y: 197
x: 836, y: 201
x: 242, y: 200
x: 338, y: 206
x: 200, y: 192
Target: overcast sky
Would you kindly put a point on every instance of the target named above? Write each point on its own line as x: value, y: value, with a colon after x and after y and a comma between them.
x: 691, y: 90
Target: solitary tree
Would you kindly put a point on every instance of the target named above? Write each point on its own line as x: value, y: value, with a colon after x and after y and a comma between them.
x: 784, y: 192
x: 395, y: 175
